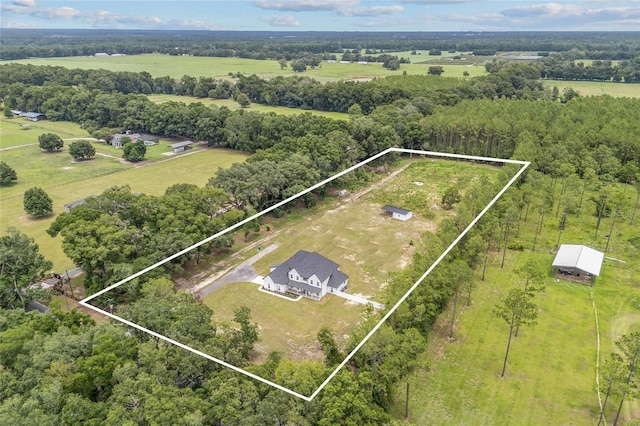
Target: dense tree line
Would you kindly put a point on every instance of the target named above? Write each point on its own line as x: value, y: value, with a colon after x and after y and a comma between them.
x: 559, y: 68
x: 22, y: 43
x: 295, y: 92
x: 118, y: 233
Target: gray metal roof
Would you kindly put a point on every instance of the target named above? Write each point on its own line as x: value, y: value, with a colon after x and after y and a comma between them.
x: 180, y: 144
x: 580, y: 257
x: 32, y: 114
x: 307, y: 264
x: 393, y: 209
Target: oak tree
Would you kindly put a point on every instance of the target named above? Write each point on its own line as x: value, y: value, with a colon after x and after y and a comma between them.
x: 81, y: 150
x: 7, y: 174
x: 50, y: 142
x: 37, y: 202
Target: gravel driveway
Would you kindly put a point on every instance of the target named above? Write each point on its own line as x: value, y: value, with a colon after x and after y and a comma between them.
x: 244, y: 272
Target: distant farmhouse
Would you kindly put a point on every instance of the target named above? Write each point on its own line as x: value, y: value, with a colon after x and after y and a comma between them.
x: 32, y: 116
x: 70, y: 206
x: 149, y: 140
x: 307, y: 274
x: 397, y: 212
x: 578, y: 263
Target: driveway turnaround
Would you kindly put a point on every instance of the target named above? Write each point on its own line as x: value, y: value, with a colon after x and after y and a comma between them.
x: 244, y: 272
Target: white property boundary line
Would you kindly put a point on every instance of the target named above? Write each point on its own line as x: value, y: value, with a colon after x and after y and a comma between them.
x: 84, y: 302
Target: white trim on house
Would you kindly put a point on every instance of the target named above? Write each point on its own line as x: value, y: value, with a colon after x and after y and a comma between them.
x: 306, y: 274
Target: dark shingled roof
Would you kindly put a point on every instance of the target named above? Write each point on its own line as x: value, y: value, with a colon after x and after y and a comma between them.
x: 393, y: 209
x: 307, y: 264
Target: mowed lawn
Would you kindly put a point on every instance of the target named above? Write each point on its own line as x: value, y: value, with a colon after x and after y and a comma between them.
x: 66, y: 180
x: 233, y: 105
x: 11, y: 133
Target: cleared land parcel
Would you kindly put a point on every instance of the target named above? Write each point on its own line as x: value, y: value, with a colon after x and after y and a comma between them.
x: 354, y: 232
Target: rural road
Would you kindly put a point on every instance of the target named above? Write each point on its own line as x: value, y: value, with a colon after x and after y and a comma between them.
x: 244, y: 272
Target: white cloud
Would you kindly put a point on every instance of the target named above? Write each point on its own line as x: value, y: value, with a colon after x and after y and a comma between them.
x: 371, y: 11
x: 104, y: 18
x: 305, y: 5
x: 548, y: 9
x: 387, y: 23
x: 17, y: 25
x: 571, y: 14
x: 427, y: 2
x: 281, y: 21
x: 25, y: 3
x: 552, y: 16
x: 42, y: 12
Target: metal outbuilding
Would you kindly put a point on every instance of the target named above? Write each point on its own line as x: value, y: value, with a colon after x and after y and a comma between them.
x: 573, y: 259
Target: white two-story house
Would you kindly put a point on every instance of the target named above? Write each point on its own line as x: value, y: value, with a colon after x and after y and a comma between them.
x: 307, y: 274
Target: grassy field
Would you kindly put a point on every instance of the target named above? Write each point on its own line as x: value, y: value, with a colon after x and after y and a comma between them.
x: 177, y: 66
x: 596, y: 88
x: 66, y: 180
x: 353, y: 232
x: 551, y: 373
x: 13, y: 135
x: 233, y: 105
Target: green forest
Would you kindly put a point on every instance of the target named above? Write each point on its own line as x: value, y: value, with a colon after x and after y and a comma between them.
x: 66, y: 368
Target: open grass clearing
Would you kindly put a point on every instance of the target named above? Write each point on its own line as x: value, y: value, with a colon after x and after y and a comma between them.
x: 550, y: 376
x: 11, y: 133
x: 177, y: 66
x: 353, y: 232
x: 65, y: 181
x: 233, y: 105
x: 286, y: 326
x: 597, y: 88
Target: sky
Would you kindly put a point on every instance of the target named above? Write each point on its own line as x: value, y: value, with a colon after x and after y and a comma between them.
x: 324, y: 15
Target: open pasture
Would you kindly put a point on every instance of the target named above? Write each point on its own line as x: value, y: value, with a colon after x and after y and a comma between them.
x: 550, y: 377
x: 233, y: 105
x: 66, y: 180
x: 597, y: 88
x: 196, y: 66
x: 13, y: 134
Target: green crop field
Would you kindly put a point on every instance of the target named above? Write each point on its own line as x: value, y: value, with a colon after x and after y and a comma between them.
x: 551, y: 372
x: 233, y: 105
x: 66, y: 180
